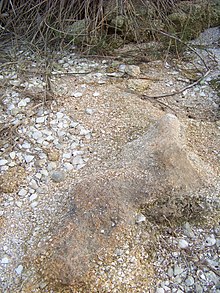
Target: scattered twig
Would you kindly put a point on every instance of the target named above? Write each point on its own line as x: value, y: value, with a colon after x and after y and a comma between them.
x: 204, y: 263
x: 185, y: 44
x: 8, y: 63
x: 179, y: 91
x: 71, y: 73
x: 147, y: 78
x: 190, y: 85
x: 143, y: 97
x: 161, y: 103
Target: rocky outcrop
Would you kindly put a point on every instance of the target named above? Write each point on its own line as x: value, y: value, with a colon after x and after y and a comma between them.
x: 186, y: 19
x: 189, y: 19
x: 157, y: 165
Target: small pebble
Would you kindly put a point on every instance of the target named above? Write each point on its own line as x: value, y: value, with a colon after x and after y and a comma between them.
x: 140, y: 218
x: 26, y: 145
x: 89, y: 111
x: 167, y: 289
x: 198, y: 288
x: 122, y: 68
x: 28, y: 158
x: 36, y: 135
x: 188, y: 230
x: 132, y: 70
x: 51, y: 166
x: 38, y: 175
x: 67, y: 155
x: 15, y: 82
x: 210, y: 241
x: 18, y: 204
x: 22, y: 103
x: 4, y: 168
x: 42, y: 285
x: 39, y: 163
x: 33, y: 184
x: 217, y: 230
x: 22, y: 192
x: 170, y: 272
x: 183, y: 244
x: 58, y: 176
x: 177, y: 270
x: 44, y: 172
x: 77, y: 160
x: 178, y: 279
x: 40, y: 119
x: 77, y: 94
x: 119, y: 252
x: 40, y: 140
x: 59, y: 115
x: 3, y: 162
x: 53, y: 155
x: 15, y: 111
x: 65, y: 65
x: 61, y: 133
x: 160, y: 290
x: 12, y: 164
x: 96, y: 94
x: 5, y: 260
x: 19, y: 269
x: 76, y: 153
x: 34, y: 204
x: 189, y: 281
x: 33, y: 197
x: 84, y: 131
x: 73, y: 124
x: 12, y: 155
x: 68, y: 166
x: 78, y: 167
x: 49, y: 138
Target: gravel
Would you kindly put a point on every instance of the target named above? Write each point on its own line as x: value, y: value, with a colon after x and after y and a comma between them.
x: 58, y: 176
x: 183, y: 244
x: 48, y: 147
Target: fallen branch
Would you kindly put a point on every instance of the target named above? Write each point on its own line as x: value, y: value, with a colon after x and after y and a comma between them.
x: 71, y: 73
x: 179, y: 91
x: 190, y: 85
x: 160, y: 102
x: 185, y: 44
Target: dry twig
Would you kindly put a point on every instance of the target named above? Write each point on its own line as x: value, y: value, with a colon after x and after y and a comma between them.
x: 177, y: 92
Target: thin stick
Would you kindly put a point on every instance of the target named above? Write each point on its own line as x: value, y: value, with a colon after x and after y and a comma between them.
x: 188, y: 86
x: 161, y: 103
x: 8, y: 63
x: 179, y: 91
x: 69, y: 73
x: 184, y: 43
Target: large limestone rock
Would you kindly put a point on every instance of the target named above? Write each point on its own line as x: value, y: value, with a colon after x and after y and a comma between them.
x: 103, y: 205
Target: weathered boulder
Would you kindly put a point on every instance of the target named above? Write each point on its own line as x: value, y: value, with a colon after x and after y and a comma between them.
x: 189, y: 18
x: 104, y: 205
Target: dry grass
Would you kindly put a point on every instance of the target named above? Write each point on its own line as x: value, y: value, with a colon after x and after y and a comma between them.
x: 48, y: 23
